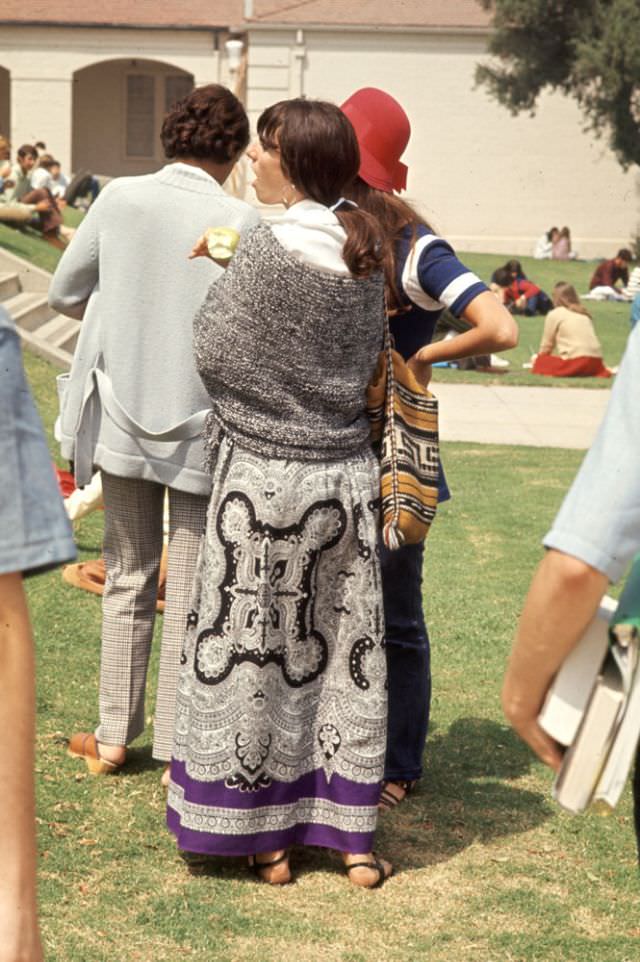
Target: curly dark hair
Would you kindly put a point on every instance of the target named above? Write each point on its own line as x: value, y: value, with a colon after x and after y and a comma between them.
x: 210, y: 124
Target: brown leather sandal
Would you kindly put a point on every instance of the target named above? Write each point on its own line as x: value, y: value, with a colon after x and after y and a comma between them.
x: 259, y: 868
x: 389, y: 799
x: 374, y: 865
x: 85, y: 745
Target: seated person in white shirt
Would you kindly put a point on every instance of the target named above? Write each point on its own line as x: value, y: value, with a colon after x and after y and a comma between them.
x: 59, y: 182
x: 40, y: 176
x: 544, y: 245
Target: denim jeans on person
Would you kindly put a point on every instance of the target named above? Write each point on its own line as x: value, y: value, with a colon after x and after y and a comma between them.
x: 408, y: 661
x: 35, y: 533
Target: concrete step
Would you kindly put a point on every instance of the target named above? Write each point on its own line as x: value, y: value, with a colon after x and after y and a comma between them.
x: 60, y: 331
x: 31, y: 278
x: 9, y: 284
x: 42, y: 331
x: 29, y: 309
x: 37, y: 345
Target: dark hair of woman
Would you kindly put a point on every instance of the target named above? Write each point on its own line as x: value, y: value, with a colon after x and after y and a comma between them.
x: 27, y: 151
x: 514, y: 267
x: 319, y: 153
x: 46, y: 161
x: 394, y: 215
x: 502, y: 277
x: 209, y: 124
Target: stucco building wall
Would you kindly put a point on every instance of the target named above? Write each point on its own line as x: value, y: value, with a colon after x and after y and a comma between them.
x: 487, y: 180
x: 43, y: 61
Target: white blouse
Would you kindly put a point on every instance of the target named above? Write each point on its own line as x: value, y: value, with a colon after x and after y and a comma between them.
x: 313, y: 234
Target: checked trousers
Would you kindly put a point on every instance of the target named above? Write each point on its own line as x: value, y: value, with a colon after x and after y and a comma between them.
x: 133, y: 527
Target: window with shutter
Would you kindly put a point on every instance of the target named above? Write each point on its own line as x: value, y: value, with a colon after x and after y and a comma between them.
x: 176, y: 87
x: 140, y: 115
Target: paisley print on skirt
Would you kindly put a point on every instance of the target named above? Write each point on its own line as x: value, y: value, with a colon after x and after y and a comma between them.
x: 281, y: 705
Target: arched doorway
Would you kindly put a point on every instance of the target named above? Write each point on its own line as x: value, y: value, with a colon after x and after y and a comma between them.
x: 5, y: 103
x: 118, y: 107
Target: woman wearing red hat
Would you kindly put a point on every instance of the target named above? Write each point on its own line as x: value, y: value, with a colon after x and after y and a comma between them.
x: 423, y: 277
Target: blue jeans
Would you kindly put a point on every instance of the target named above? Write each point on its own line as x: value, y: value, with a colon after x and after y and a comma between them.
x: 408, y: 661
x: 35, y: 533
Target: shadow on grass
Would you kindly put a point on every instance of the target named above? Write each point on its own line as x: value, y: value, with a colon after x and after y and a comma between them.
x: 464, y: 796
x: 140, y: 760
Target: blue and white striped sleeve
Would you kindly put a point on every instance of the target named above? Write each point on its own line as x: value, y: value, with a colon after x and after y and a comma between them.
x: 434, y: 278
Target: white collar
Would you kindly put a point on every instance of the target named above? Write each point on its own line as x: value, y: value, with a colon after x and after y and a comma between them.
x: 190, y: 169
x: 309, y: 212
x: 313, y: 234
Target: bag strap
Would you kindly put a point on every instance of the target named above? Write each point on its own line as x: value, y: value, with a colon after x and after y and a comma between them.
x: 391, y: 530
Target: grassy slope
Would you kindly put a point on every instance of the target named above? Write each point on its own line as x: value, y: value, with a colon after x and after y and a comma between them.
x: 29, y: 244
x: 488, y: 870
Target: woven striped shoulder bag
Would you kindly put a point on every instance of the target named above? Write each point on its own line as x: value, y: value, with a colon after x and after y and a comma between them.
x: 404, y: 427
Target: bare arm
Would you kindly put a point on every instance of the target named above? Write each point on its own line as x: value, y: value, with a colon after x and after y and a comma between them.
x: 494, y: 329
x: 19, y: 937
x: 563, y: 598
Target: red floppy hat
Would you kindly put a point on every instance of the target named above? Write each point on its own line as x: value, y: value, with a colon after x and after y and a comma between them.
x: 383, y: 130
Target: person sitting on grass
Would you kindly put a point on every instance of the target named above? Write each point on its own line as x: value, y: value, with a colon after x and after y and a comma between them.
x: 561, y: 248
x: 18, y: 190
x: 11, y: 211
x: 632, y: 289
x: 569, y: 330
x: 513, y: 268
x: 520, y: 296
x: 603, y: 283
x: 544, y: 245
x: 59, y: 182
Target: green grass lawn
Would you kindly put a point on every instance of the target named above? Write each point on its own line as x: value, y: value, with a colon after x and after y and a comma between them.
x: 487, y: 868
x: 610, y: 318
x: 29, y: 244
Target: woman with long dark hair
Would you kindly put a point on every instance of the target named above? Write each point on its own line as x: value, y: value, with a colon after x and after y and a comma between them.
x: 281, y: 708
x: 423, y: 276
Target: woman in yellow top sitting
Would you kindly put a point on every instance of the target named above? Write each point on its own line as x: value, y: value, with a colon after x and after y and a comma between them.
x: 569, y: 332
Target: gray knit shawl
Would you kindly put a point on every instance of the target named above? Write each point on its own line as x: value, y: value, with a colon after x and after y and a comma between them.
x: 286, y: 351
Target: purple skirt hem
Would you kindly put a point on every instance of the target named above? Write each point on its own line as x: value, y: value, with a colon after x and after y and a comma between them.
x: 321, y: 836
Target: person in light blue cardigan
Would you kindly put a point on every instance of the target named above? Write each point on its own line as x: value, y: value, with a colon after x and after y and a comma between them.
x: 134, y: 405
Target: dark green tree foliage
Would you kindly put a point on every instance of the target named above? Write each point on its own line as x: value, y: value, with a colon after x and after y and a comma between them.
x: 589, y: 49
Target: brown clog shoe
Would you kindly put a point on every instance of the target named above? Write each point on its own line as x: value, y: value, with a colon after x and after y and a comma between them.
x: 85, y: 745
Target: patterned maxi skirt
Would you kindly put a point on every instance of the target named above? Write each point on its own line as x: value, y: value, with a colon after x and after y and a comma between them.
x: 281, y: 704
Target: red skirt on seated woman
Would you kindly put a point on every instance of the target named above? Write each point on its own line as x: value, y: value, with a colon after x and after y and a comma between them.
x: 554, y: 366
